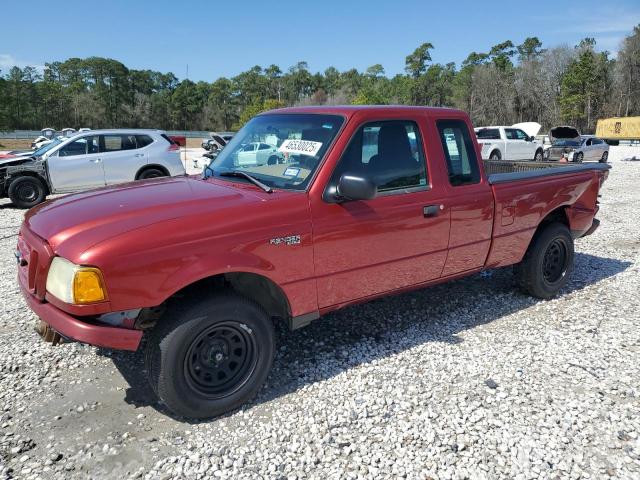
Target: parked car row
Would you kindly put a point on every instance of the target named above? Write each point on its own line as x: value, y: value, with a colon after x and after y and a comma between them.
x: 518, y: 142
x: 88, y: 160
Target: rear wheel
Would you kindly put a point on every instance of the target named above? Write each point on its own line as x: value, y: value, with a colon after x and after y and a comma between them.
x: 605, y: 157
x: 151, y: 173
x: 210, y: 357
x: 546, y: 266
x: 495, y: 155
x: 27, y: 192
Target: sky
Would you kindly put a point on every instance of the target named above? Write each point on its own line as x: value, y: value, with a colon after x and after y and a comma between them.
x: 212, y: 39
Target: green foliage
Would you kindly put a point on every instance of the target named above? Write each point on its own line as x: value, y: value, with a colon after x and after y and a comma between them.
x: 252, y: 110
x: 584, y: 86
x: 507, y: 84
x: 529, y: 49
x: 416, y: 63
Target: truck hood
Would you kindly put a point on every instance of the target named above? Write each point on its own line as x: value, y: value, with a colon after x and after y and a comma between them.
x: 564, y: 132
x: 530, y: 128
x: 75, y: 223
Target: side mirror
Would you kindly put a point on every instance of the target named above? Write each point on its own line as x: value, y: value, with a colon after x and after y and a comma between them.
x: 356, y: 187
x: 531, y: 138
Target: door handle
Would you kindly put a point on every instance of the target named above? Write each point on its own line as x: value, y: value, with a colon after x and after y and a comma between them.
x: 139, y: 155
x: 432, y: 210
x: 96, y: 160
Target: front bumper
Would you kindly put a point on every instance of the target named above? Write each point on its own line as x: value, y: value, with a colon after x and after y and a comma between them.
x: 71, y: 328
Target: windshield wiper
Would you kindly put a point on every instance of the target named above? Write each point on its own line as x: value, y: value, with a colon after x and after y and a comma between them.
x: 255, y: 181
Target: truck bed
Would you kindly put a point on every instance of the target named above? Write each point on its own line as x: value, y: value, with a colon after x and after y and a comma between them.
x: 500, y: 171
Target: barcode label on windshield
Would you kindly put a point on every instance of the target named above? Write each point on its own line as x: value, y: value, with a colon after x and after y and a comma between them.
x: 300, y: 147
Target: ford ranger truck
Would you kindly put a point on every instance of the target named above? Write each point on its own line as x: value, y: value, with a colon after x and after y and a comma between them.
x: 353, y: 203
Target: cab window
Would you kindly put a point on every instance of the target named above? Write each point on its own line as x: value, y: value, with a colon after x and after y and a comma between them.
x: 459, y: 152
x: 390, y: 153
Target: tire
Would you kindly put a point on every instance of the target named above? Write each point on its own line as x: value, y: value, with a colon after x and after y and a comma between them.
x: 605, y: 157
x: 495, y: 155
x: 273, y: 160
x: 539, y: 156
x: 27, y: 192
x: 578, y: 157
x: 548, y: 263
x: 210, y: 356
x: 151, y: 173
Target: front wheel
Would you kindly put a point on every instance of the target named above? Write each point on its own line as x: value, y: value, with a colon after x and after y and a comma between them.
x: 495, y: 155
x: 539, y: 156
x: 210, y: 357
x: 548, y: 263
x: 27, y: 192
x: 605, y: 157
x: 579, y: 157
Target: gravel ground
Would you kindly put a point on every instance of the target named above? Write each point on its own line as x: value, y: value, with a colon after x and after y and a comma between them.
x: 465, y: 380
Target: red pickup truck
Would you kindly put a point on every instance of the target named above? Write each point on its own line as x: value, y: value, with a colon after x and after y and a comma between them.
x: 307, y: 210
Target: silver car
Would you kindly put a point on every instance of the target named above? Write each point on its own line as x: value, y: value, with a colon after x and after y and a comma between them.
x: 89, y: 160
x: 586, y: 148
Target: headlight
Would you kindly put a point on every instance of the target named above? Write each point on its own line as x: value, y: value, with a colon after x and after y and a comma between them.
x: 75, y: 284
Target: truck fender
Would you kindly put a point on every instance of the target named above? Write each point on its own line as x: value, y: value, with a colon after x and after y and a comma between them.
x: 251, y: 280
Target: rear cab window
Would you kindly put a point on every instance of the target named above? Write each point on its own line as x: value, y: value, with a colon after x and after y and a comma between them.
x: 488, y: 134
x: 459, y: 152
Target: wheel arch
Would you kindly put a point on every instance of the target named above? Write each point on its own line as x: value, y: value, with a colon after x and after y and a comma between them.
x: 255, y: 286
x: 149, y: 166
x: 26, y: 173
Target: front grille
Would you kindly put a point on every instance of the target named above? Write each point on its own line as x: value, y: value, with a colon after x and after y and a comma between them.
x: 33, y: 257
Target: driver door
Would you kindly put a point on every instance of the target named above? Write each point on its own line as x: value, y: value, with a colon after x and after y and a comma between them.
x: 527, y: 147
x: 399, y: 238
x: 76, y: 166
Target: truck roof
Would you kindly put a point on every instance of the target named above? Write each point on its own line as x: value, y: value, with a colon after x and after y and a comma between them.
x: 349, y: 110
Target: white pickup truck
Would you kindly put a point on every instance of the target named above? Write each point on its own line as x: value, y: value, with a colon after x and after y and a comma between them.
x: 516, y: 142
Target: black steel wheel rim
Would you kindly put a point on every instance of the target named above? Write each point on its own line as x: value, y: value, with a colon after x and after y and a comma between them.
x: 555, y: 261
x: 27, y: 192
x: 221, y: 359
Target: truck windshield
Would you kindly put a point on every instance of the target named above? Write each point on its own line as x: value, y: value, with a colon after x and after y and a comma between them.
x: 45, y: 148
x: 279, y: 150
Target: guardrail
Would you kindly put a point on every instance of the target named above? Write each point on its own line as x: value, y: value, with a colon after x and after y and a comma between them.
x: 31, y: 134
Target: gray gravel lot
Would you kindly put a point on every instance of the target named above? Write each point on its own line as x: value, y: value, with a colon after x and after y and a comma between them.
x: 465, y: 380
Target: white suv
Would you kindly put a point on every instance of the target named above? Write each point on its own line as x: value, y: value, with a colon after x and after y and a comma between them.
x: 89, y: 160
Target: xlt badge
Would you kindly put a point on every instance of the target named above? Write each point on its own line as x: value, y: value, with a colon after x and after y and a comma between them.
x: 290, y: 240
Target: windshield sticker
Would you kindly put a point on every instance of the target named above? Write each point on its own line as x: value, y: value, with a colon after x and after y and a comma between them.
x: 300, y: 147
x: 291, y: 172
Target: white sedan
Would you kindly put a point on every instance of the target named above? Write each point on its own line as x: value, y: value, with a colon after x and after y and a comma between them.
x: 258, y: 153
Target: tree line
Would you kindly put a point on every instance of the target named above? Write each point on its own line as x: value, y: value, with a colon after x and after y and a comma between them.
x: 510, y: 83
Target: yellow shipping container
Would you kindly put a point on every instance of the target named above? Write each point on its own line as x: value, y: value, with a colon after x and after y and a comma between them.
x: 619, y: 128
